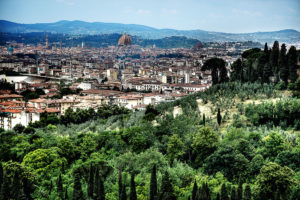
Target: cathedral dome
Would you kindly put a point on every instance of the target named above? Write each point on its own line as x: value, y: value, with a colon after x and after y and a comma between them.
x: 124, y: 40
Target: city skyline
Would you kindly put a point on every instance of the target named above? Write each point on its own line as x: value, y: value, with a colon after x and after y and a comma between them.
x: 222, y: 16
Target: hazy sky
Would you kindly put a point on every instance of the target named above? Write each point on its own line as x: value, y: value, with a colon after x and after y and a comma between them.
x: 235, y: 16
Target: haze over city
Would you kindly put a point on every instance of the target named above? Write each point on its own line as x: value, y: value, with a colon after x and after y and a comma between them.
x: 233, y: 16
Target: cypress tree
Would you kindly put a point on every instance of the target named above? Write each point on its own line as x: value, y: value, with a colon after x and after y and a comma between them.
x: 274, y: 60
x: 77, y: 190
x: 153, y: 184
x: 204, y: 119
x: 1, y: 175
x: 66, y: 194
x: 218, y: 196
x: 204, y: 192
x: 283, y: 65
x: 132, y: 188
x: 123, y: 192
x: 99, y: 186
x: 120, y: 183
x: 91, y: 182
x: 194, y: 192
x: 224, y: 193
x: 240, y: 191
x: 267, y: 72
x: 219, y: 117
x: 233, y: 195
x: 266, y: 49
x: 5, y: 190
x: 59, y: 186
x: 247, y: 193
x: 167, y: 191
x: 292, y: 63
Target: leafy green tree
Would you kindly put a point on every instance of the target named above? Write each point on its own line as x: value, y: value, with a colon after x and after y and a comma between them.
x: 256, y: 164
x: 289, y: 159
x: 77, y: 190
x: 175, y: 148
x: 273, y: 177
x: 204, y: 144
x: 132, y: 188
x: 292, y: 63
x: 274, y: 144
x: 224, y: 193
x: 226, y: 160
x: 153, y: 184
x: 247, y: 193
x: 283, y: 64
x: 218, y: 70
x: 44, y: 161
x: 166, y: 191
x: 18, y: 128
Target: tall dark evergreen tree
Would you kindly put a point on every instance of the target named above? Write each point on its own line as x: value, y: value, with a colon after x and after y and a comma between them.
x: 59, y: 187
x: 5, y: 190
x: 66, y: 194
x: 247, y: 193
x: 194, y: 192
x: 153, y: 184
x: 204, y: 192
x: 99, y: 186
x: 167, y: 191
x: 90, y: 189
x: 274, y: 60
x: 218, y: 197
x: 1, y: 175
x: 237, y: 70
x: 240, y: 191
x: 292, y: 63
x: 224, y: 193
x: 219, y: 117
x: 267, y: 72
x: 204, y: 119
x: 132, y: 188
x: 233, y: 195
x: 77, y: 190
x: 283, y: 64
x: 123, y: 193
x: 120, y: 183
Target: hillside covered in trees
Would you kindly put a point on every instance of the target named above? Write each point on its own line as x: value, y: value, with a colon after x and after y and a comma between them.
x: 237, y: 140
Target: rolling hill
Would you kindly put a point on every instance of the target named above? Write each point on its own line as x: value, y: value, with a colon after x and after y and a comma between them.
x: 80, y: 27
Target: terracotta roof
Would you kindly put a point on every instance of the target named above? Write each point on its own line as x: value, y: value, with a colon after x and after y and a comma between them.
x: 6, y: 96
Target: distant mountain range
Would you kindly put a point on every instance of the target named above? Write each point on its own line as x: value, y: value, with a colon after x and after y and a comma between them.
x: 81, y: 27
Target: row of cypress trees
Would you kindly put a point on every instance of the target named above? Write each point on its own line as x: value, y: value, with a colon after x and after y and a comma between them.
x: 203, y: 193
x: 95, y: 188
x: 257, y: 65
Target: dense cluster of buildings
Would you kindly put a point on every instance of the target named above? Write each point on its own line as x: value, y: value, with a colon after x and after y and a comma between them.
x: 125, y: 75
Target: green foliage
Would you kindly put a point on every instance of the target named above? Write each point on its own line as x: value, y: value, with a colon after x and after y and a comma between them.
x: 43, y: 161
x: 273, y: 177
x: 204, y: 144
x: 153, y: 184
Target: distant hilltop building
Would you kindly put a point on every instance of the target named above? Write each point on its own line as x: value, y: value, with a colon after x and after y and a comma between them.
x: 124, y: 40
